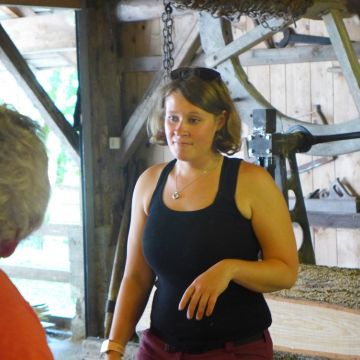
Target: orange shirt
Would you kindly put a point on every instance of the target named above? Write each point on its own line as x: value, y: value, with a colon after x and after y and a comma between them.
x: 21, y: 333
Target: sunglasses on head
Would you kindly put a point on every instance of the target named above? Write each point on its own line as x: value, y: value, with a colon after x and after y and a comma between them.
x: 201, y: 72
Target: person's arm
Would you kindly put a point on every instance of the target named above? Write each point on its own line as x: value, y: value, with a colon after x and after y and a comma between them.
x: 258, y: 199
x: 138, y: 278
x: 270, y: 218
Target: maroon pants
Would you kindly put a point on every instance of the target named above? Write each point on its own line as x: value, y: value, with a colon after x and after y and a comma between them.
x: 153, y: 348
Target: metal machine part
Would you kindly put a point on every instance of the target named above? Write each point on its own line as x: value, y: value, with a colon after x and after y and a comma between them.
x: 277, y: 153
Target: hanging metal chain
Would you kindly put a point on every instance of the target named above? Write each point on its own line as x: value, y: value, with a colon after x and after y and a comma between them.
x: 168, y: 45
x: 261, y: 10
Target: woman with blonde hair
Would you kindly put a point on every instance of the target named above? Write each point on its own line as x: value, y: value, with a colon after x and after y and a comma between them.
x: 211, y: 232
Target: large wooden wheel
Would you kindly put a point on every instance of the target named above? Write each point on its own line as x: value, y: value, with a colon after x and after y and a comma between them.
x: 222, y: 52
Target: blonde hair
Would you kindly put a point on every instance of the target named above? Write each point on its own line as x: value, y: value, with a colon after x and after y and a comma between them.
x: 24, y: 182
x: 210, y: 95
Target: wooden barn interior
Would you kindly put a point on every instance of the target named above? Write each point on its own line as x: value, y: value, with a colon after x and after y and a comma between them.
x: 303, y: 74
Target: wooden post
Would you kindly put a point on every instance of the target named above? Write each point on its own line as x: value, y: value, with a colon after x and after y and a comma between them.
x: 345, y: 52
x: 103, y: 177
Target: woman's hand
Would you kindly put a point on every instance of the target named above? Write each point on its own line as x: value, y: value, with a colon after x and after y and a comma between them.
x: 202, y: 294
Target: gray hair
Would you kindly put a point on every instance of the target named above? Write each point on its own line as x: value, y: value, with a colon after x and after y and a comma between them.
x: 24, y: 182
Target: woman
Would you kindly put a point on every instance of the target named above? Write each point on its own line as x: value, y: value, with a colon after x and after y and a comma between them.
x: 24, y: 196
x: 211, y: 232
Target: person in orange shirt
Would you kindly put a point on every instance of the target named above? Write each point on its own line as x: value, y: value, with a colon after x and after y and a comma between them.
x: 24, y: 195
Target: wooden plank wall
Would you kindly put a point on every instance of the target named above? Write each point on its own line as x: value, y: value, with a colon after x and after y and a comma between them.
x: 294, y: 89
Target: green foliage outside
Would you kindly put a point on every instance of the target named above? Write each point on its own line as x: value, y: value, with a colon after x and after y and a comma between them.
x: 61, y: 86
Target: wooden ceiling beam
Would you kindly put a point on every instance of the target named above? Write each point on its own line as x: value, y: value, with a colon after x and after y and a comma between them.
x: 143, y: 10
x: 21, y: 11
x: 10, y: 11
x: 16, y: 65
x: 42, y: 33
x: 68, y: 4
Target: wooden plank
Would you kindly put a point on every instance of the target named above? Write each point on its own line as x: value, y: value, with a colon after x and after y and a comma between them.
x: 322, y: 94
x: 253, y: 57
x: 314, y: 329
x: 327, y: 220
x: 128, y: 45
x: 345, y: 53
x: 17, y: 11
x: 134, y: 132
x: 42, y: 33
x: 298, y: 81
x: 259, y: 76
x: 23, y: 272
x: 349, y: 247
x: 291, y: 55
x: 278, y: 87
x: 51, y: 60
x: 325, y: 244
x: 69, y: 4
x: 148, y: 41
x: 142, y: 63
x: 17, y: 66
x: 347, y: 166
x: 144, y: 10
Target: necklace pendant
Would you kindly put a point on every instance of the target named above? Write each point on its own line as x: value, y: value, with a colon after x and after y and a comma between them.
x: 175, y: 195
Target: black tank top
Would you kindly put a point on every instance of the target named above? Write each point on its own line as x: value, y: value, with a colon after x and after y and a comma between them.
x: 180, y: 245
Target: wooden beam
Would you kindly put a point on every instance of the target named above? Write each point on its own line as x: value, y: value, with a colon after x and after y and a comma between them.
x: 31, y: 273
x: 254, y: 57
x: 51, y: 60
x: 291, y: 55
x: 345, y: 52
x: 245, y: 42
x: 321, y: 7
x: 17, y: 11
x: 17, y: 66
x: 144, y: 10
x: 36, y: 37
x: 42, y: 33
x: 104, y: 181
x: 314, y: 329
x: 328, y: 220
x: 68, y: 4
x: 134, y: 132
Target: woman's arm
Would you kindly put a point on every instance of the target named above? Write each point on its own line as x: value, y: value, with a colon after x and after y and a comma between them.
x: 258, y: 199
x: 138, y: 277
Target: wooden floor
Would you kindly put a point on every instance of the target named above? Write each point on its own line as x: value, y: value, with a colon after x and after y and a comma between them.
x: 315, y: 329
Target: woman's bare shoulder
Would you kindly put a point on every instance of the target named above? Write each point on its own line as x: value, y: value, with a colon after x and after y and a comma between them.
x: 146, y: 183
x: 254, y: 184
x: 151, y: 174
x: 253, y: 174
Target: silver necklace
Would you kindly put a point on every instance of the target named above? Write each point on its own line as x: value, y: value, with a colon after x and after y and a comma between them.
x: 177, y: 193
